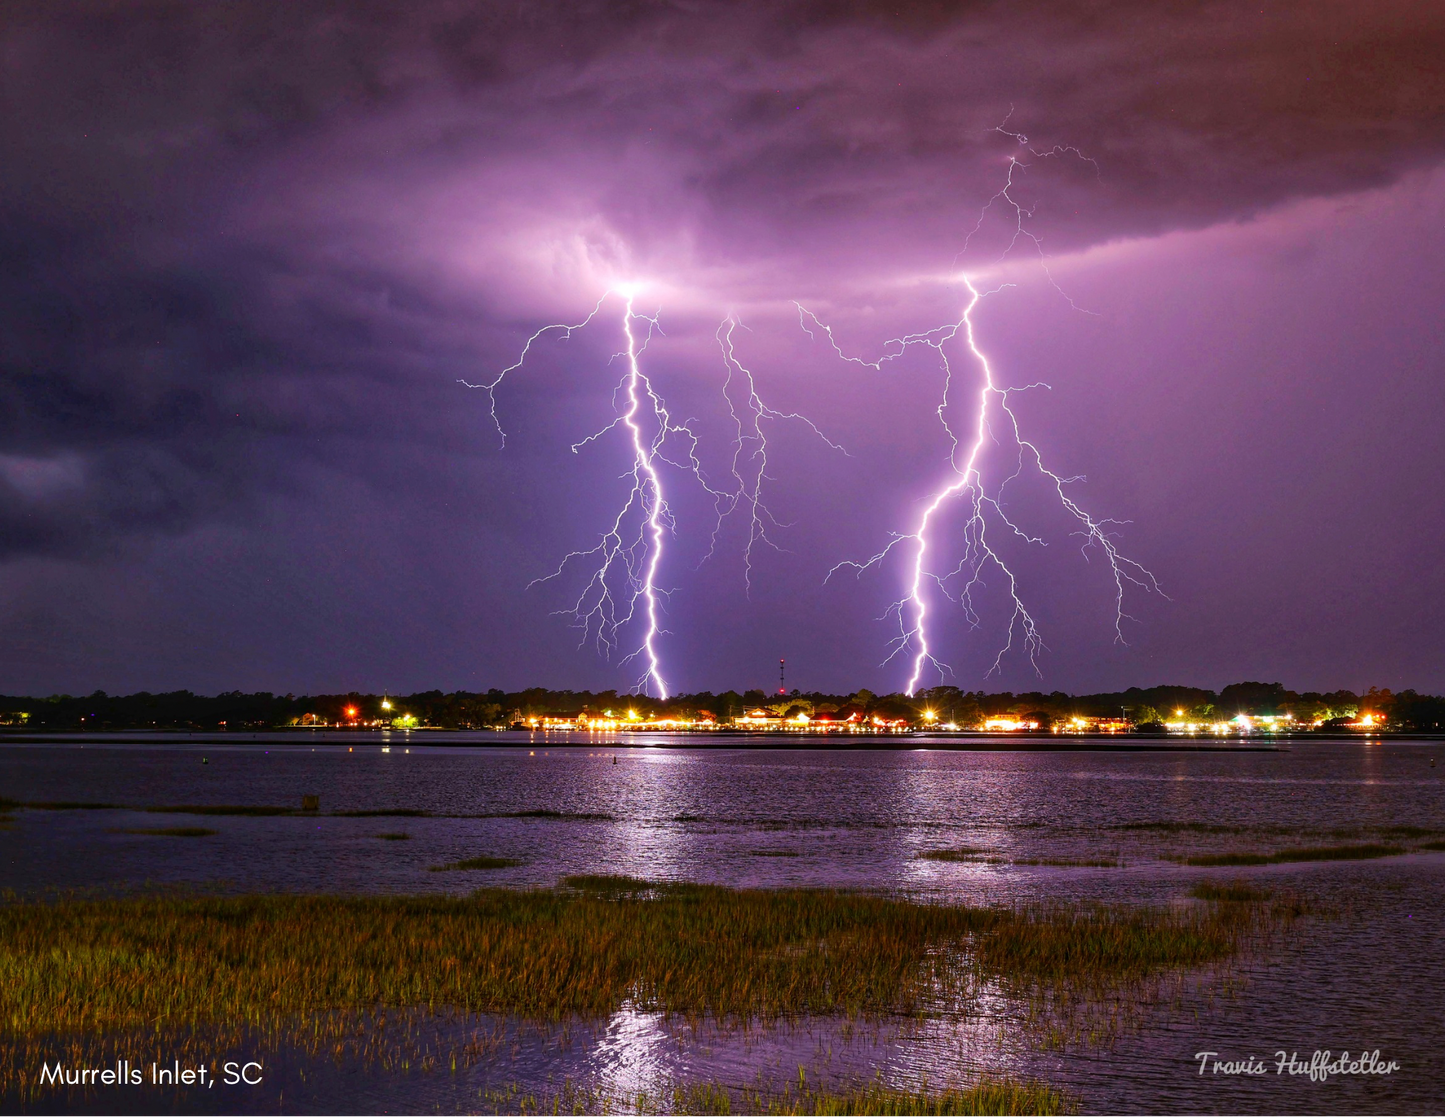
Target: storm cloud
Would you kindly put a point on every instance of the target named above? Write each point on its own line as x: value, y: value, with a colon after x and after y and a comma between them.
x: 248, y: 250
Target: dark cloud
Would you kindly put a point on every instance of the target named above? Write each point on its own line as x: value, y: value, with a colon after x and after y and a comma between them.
x: 246, y: 248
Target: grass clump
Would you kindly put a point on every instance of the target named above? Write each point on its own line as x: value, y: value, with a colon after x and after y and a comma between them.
x: 574, y: 816
x: 990, y: 1096
x: 611, y: 884
x: 1002, y: 1096
x: 1235, y: 892
x: 475, y: 863
x: 1072, y: 862
x: 100, y: 965
x: 1433, y: 845
x: 171, y: 831
x: 388, y: 812
x: 986, y: 1100
x: 65, y: 805
x: 1180, y: 827
x: 396, y: 836
x: 958, y: 853
x: 1364, y: 852
x: 1094, y: 946
x: 1409, y: 831
x: 774, y: 853
x: 203, y: 809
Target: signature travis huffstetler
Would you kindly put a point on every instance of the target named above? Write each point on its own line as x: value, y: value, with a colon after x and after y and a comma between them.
x: 1320, y: 1067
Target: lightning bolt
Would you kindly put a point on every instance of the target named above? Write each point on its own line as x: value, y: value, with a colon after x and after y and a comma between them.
x: 622, y: 584
x: 491, y: 386
x: 648, y: 486
x: 984, y: 505
x: 750, y: 448
x: 970, y: 484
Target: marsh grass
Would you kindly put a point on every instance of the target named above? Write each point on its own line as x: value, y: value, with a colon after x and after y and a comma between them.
x: 379, y: 978
x: 1363, y: 852
x: 94, y: 965
x: 1234, y: 892
x: 613, y: 886
x: 395, y: 837
x: 774, y: 853
x: 471, y: 863
x: 957, y: 853
x: 389, y: 812
x: 170, y: 831
x: 1072, y: 862
x: 205, y: 809
x: 1432, y: 845
x: 990, y: 1096
x: 574, y: 816
x: 976, y: 856
x: 262, y: 810
x: 1409, y: 832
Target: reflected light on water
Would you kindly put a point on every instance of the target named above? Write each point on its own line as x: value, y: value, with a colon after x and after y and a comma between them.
x: 633, y: 1053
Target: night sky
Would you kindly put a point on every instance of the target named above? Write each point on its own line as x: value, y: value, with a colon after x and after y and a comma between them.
x: 248, y: 252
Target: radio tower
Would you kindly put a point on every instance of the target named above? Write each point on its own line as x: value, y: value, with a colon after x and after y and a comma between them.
x: 781, y: 688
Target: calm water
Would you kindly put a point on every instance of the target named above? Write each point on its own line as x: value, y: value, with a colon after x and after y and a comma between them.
x: 1372, y: 977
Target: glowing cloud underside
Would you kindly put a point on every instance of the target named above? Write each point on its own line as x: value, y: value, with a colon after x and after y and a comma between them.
x: 622, y: 591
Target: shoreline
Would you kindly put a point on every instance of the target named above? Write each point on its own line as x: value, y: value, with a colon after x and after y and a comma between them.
x: 690, y: 740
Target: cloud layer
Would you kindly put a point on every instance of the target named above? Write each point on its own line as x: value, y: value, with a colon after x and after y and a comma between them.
x: 247, y: 250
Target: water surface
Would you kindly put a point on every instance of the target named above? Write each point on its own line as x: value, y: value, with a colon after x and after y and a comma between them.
x: 1373, y: 976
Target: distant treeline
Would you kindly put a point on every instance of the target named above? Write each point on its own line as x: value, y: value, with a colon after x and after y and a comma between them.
x: 479, y: 710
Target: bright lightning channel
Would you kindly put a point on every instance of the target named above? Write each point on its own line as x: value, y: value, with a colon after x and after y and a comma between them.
x: 969, y: 483
x: 623, y: 584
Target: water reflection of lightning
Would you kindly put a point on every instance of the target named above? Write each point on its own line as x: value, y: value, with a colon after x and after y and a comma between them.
x: 984, y: 503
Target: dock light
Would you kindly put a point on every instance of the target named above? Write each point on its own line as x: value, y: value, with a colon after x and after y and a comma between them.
x: 385, y: 704
x: 631, y: 715
x: 929, y: 715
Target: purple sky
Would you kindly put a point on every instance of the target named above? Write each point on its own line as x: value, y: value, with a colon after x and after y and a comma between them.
x: 248, y: 251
